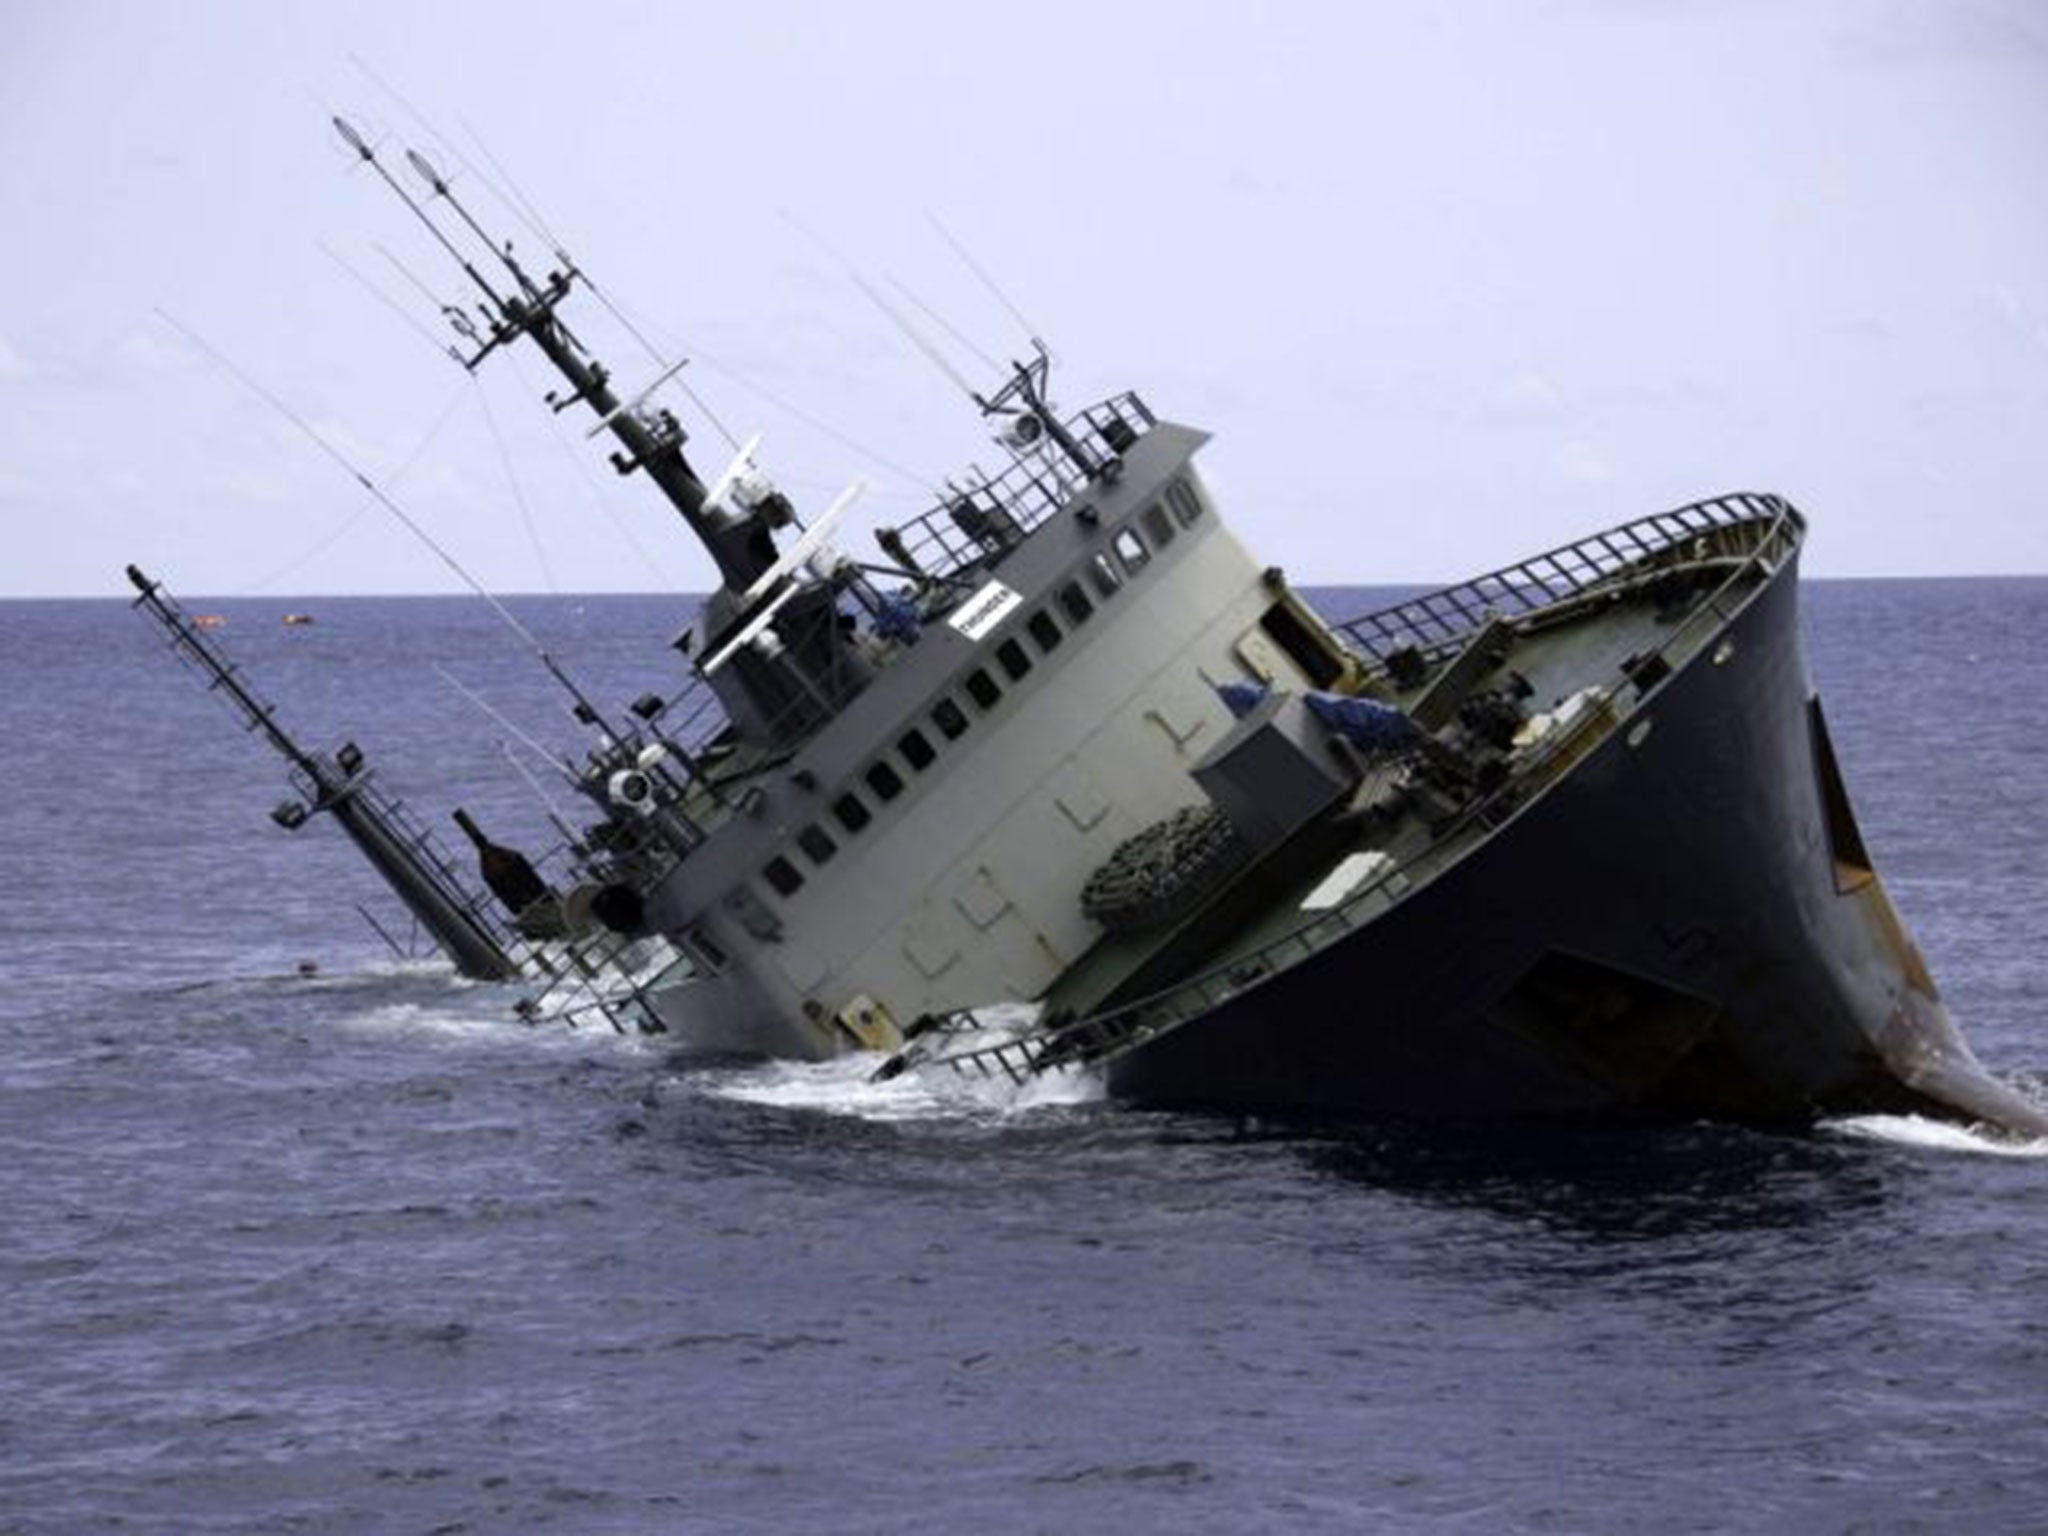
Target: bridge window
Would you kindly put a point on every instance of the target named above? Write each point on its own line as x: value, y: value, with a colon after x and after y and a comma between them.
x: 1015, y: 663
x: 885, y: 781
x: 783, y: 875
x: 1045, y: 630
x: 916, y: 750
x: 851, y: 813
x: 982, y: 689
x: 1075, y: 601
x: 816, y: 843
x: 950, y: 718
x: 1158, y: 525
x: 1131, y: 550
x: 1305, y: 647
x: 1187, y: 506
x: 1105, y: 576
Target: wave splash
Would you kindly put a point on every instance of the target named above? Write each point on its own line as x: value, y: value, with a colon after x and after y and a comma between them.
x: 844, y: 1086
x: 1934, y: 1135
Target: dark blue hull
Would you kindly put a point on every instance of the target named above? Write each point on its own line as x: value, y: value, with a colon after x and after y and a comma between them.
x: 1685, y: 923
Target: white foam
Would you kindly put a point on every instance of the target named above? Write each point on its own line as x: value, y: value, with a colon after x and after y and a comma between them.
x: 480, y: 1021
x: 1935, y: 1135
x: 844, y: 1087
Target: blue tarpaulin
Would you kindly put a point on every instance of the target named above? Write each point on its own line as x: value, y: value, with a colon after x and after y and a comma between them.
x: 1240, y: 698
x: 1365, y: 723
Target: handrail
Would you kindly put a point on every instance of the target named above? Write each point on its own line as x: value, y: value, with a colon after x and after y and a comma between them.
x: 1016, y: 501
x: 1772, y: 526
x: 1436, y: 622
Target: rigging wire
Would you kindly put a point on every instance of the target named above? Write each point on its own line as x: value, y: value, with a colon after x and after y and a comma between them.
x: 385, y: 500
x: 540, y: 555
x: 945, y: 325
x: 492, y: 712
x: 816, y: 424
x: 889, y: 311
x: 603, y: 502
x: 981, y: 272
x: 533, y: 220
x: 384, y: 298
x: 653, y: 352
x: 333, y: 534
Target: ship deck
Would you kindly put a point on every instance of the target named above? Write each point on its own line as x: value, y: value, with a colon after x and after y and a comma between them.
x: 1638, y: 605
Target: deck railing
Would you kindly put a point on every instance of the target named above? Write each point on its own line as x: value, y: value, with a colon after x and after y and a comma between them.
x: 1011, y: 504
x: 1436, y: 623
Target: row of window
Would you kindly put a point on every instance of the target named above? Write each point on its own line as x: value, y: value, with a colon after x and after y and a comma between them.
x: 1106, y: 575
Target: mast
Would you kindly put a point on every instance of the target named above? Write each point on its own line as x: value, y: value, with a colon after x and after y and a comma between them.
x: 339, y: 785
x: 798, y: 667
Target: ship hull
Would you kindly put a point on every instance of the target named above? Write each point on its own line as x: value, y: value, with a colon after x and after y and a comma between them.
x: 1685, y: 924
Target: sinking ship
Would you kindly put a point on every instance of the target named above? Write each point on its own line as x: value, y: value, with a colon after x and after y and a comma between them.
x: 1067, y: 779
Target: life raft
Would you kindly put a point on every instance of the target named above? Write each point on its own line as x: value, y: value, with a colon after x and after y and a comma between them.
x: 1164, y: 872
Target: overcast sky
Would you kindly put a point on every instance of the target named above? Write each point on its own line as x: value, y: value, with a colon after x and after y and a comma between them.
x: 1450, y: 284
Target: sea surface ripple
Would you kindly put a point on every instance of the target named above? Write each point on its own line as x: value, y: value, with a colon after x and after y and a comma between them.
x: 362, y: 1253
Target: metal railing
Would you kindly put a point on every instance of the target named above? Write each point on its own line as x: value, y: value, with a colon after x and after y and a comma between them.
x: 1437, y: 622
x: 1747, y: 536
x: 1011, y: 504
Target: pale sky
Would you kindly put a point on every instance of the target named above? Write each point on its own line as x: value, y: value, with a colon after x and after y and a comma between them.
x: 1450, y: 284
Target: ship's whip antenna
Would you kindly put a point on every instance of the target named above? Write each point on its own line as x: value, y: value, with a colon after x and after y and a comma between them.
x: 532, y: 215
x: 585, y: 710
x: 943, y: 323
x: 916, y: 337
x: 988, y: 282
x: 519, y: 208
x: 388, y: 302
x: 890, y: 312
x: 364, y: 152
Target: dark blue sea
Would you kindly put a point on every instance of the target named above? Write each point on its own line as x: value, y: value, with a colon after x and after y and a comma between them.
x: 361, y: 1253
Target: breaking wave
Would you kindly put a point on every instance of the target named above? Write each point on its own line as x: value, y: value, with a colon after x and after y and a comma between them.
x: 1933, y: 1135
x: 844, y: 1087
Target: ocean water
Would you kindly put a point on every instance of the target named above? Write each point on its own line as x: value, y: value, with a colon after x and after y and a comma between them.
x: 361, y: 1253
